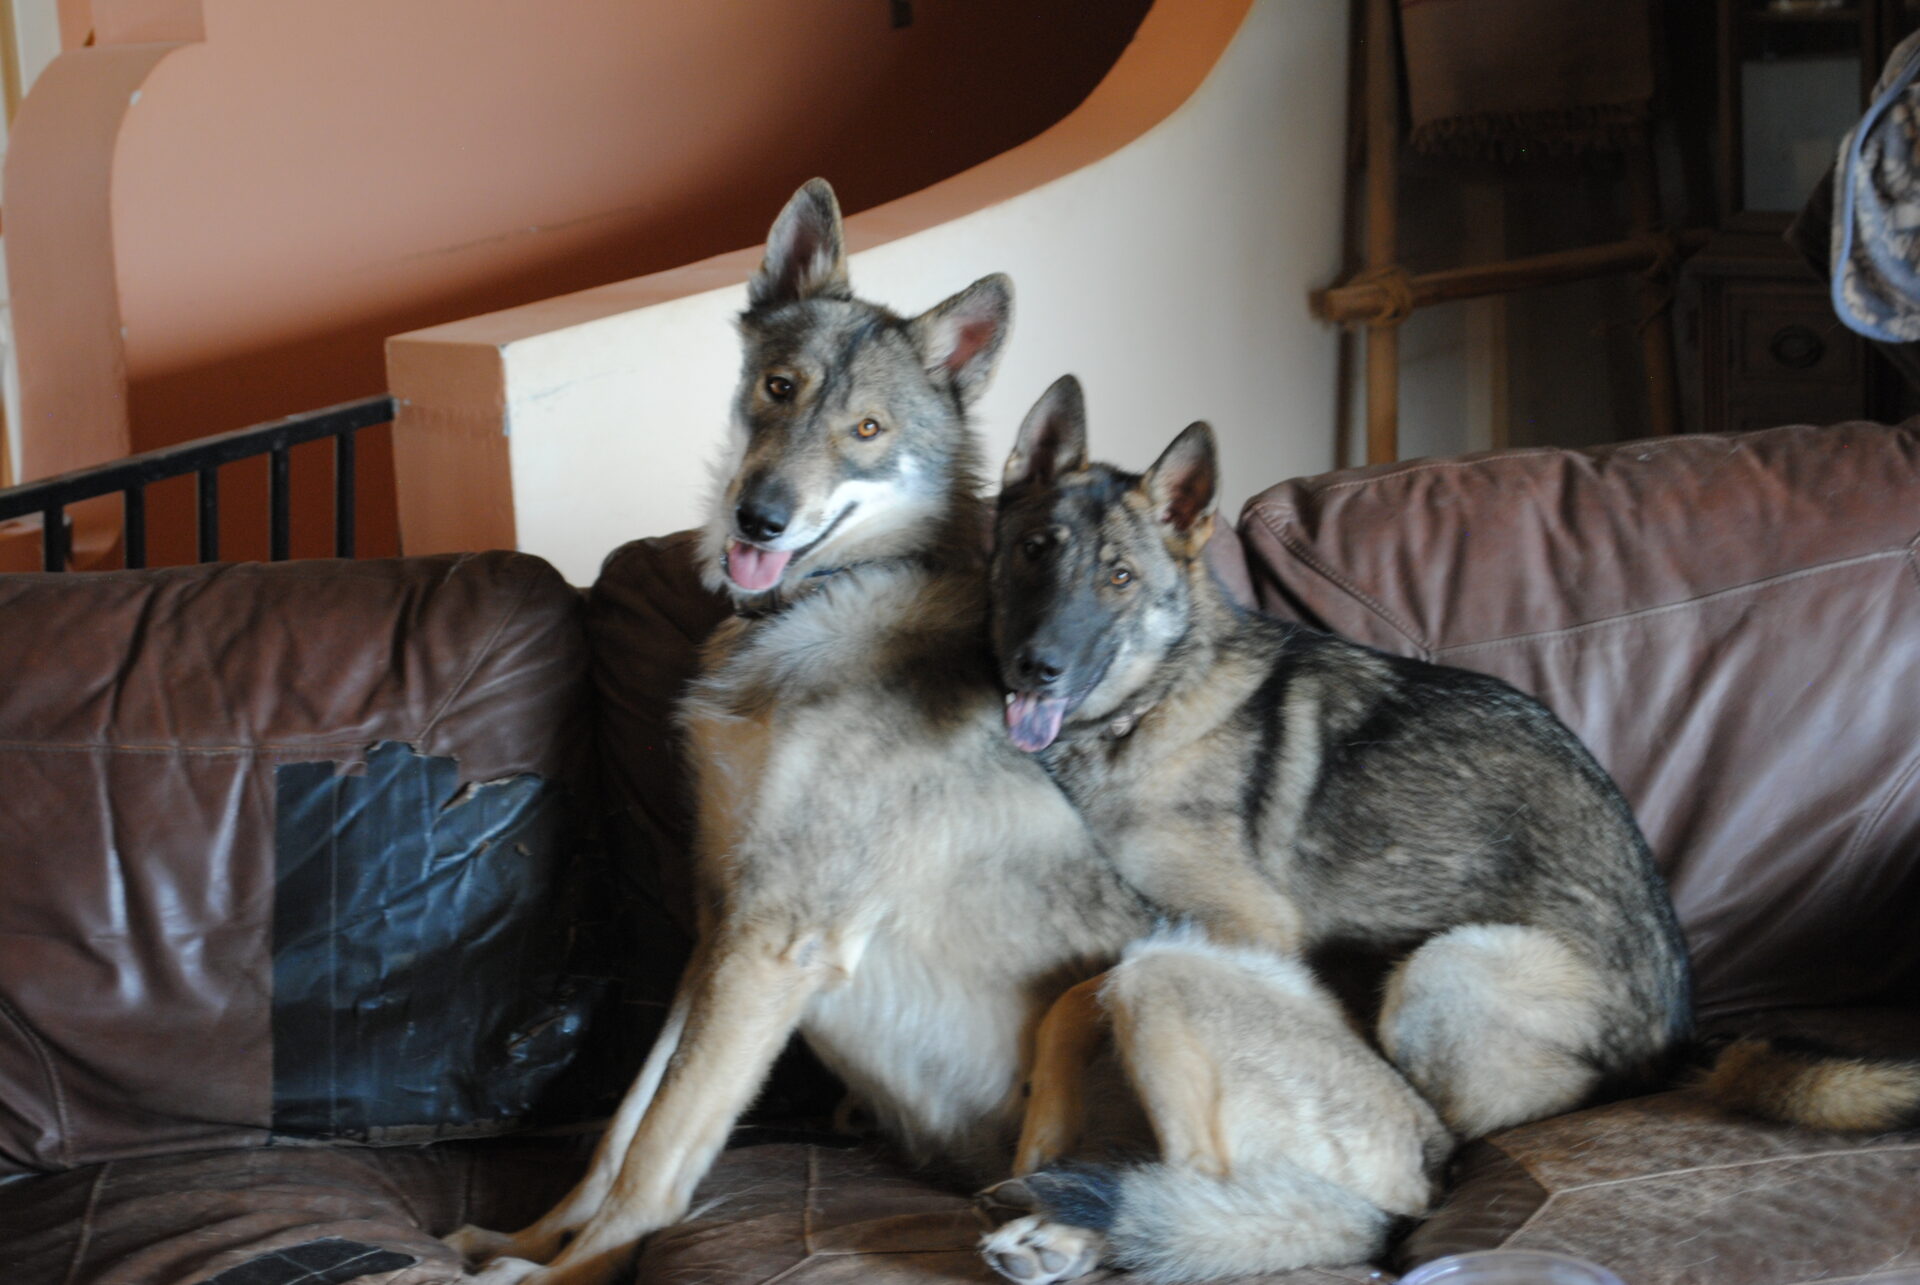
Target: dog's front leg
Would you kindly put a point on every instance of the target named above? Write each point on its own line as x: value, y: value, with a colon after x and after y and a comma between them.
x: 1195, y: 868
x: 541, y: 1240
x: 741, y: 1010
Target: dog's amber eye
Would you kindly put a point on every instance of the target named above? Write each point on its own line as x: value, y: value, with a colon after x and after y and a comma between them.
x: 779, y: 387
x: 1034, y: 545
x: 867, y: 429
x: 1121, y: 576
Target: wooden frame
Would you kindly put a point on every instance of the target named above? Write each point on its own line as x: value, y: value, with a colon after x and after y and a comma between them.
x: 1876, y: 25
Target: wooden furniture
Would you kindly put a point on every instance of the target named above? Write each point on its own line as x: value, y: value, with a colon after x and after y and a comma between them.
x: 1792, y: 76
x: 1383, y: 294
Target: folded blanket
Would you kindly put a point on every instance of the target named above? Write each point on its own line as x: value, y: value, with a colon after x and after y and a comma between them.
x: 1500, y: 78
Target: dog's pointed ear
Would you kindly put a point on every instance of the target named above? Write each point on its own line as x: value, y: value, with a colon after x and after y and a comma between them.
x: 1180, y: 487
x: 1052, y: 438
x: 806, y: 253
x: 960, y: 339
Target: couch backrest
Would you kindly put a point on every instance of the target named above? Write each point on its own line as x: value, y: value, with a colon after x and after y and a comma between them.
x: 280, y: 849
x: 1732, y: 623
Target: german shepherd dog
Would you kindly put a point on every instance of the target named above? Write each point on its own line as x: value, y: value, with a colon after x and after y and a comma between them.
x: 1291, y: 790
x: 880, y: 868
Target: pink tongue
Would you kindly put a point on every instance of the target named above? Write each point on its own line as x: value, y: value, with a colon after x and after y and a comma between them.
x: 1033, y: 721
x: 753, y: 568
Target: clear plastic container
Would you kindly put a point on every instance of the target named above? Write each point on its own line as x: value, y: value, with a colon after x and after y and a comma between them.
x: 1510, y: 1267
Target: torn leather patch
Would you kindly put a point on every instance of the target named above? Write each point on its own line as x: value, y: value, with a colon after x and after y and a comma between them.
x: 420, y: 985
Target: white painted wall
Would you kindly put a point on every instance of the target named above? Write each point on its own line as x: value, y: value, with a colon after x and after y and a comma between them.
x: 1171, y: 277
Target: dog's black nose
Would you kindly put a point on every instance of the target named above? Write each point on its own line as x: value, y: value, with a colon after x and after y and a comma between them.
x: 1037, y: 667
x: 760, y: 520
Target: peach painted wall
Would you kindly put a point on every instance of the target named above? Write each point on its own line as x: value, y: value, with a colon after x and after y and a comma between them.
x: 217, y: 213
x: 1162, y: 239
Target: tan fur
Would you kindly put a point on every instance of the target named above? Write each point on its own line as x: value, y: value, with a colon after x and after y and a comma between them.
x: 1489, y: 1022
x: 880, y: 869
x: 851, y: 883
x: 1293, y: 791
x: 1815, y: 1090
x: 1284, y: 1139
x: 1178, y: 1077
x: 835, y: 927
x: 1064, y: 1049
x: 1246, y: 1060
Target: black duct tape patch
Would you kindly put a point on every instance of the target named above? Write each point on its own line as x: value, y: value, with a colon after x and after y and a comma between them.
x: 420, y: 942
x: 317, y: 1262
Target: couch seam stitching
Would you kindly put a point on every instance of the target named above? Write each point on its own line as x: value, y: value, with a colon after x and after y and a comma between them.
x: 1433, y: 466
x: 1549, y: 1194
x: 1828, y: 1154
x: 480, y: 657
x: 1300, y: 551
x: 806, y: 1208
x: 1643, y: 447
x: 1643, y: 613
x: 866, y: 1253
x: 465, y: 1216
x: 1555, y: 1195
x: 49, y: 1072
x: 1871, y: 825
x: 201, y: 751
x: 85, y: 1241
x: 806, y: 1223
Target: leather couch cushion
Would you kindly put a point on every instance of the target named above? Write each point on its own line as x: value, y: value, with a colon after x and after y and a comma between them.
x: 1671, y: 1190
x: 280, y: 846
x: 1731, y: 623
x: 647, y: 615
x: 257, y: 1217
x: 813, y: 1215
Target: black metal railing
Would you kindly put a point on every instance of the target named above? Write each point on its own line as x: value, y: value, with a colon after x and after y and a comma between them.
x: 203, y: 458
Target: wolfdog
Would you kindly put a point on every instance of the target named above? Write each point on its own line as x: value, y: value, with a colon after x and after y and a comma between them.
x: 1292, y: 790
x: 877, y: 865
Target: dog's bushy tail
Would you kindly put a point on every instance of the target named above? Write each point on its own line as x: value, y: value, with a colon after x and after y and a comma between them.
x: 1166, y: 1224
x: 1793, y: 1081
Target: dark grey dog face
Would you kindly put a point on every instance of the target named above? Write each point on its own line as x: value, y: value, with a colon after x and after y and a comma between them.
x: 1091, y: 568
x: 849, y: 419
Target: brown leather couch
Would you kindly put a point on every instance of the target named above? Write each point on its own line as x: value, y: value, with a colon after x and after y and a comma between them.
x: 314, y: 878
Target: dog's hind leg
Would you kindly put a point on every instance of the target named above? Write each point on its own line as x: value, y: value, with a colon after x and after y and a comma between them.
x: 741, y: 1010
x: 1177, y: 1077
x: 1496, y: 1025
x: 1065, y: 1044
x: 541, y: 1240
x: 1064, y: 1047
x: 1285, y: 1141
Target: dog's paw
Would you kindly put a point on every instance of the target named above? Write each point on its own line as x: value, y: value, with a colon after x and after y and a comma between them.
x: 507, y: 1271
x: 1034, y: 1251
x: 1004, y: 1200
x: 476, y: 1245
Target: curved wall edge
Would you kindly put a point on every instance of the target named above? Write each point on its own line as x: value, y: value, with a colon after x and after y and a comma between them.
x: 1168, y: 268
x: 65, y: 294
x: 1176, y: 47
